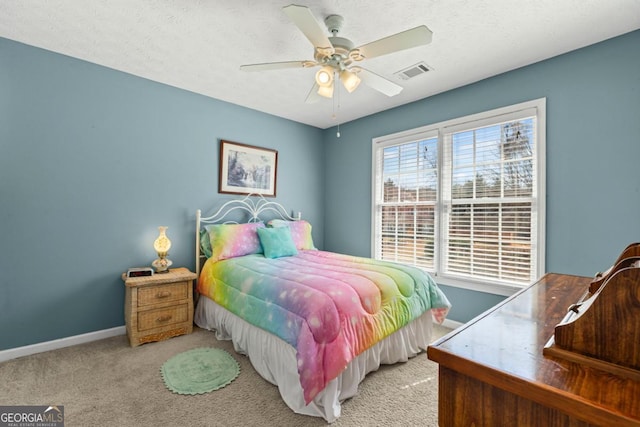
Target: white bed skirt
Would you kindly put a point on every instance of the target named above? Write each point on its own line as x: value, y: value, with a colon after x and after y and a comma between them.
x: 275, y: 360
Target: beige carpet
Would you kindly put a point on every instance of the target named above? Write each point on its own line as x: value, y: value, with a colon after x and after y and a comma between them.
x: 108, y: 383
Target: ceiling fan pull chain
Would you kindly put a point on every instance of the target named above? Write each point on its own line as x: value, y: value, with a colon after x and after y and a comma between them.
x: 334, y: 110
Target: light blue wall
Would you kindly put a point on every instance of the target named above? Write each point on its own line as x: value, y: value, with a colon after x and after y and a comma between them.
x: 91, y: 161
x: 593, y: 149
x: 81, y: 188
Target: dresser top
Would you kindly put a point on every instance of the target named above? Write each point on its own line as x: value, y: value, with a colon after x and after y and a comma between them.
x: 504, y: 347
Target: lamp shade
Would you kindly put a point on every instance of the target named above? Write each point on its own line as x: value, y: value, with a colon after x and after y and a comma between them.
x: 326, y: 91
x: 324, y: 76
x: 162, y: 244
x: 350, y: 80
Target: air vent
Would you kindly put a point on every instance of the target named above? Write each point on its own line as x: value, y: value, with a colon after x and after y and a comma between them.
x: 413, y: 71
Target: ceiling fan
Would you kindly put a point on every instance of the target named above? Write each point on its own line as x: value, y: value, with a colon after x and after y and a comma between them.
x: 337, y: 56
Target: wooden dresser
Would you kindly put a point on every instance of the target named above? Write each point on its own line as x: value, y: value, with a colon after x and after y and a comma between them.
x: 493, y: 371
x: 159, y: 306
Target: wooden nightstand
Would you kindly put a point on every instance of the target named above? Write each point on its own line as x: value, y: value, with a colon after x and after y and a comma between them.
x: 159, y: 307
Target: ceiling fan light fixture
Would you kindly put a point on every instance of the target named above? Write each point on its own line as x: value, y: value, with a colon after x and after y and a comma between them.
x: 324, y: 76
x: 326, y: 91
x: 350, y: 80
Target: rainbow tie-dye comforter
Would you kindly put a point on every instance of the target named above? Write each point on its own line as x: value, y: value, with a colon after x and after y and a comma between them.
x: 330, y: 307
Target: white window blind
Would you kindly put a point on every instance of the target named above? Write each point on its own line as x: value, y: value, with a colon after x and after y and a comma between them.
x: 464, y: 199
x: 408, y: 175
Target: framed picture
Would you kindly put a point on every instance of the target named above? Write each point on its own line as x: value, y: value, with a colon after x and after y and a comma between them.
x: 245, y: 169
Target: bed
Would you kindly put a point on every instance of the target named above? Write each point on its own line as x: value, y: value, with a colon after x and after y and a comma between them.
x: 312, y: 322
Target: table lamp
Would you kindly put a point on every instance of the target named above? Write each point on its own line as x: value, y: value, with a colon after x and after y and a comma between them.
x: 162, y: 245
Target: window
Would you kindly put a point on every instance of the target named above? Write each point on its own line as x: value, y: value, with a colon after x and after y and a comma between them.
x: 464, y: 199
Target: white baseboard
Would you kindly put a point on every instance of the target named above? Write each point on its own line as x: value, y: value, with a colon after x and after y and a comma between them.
x: 452, y: 324
x: 27, y: 350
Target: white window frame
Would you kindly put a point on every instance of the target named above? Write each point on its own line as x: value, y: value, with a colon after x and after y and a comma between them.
x: 486, y: 118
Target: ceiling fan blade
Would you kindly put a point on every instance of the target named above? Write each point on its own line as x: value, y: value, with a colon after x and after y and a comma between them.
x: 307, y: 23
x: 377, y: 82
x: 414, y: 37
x: 278, y: 65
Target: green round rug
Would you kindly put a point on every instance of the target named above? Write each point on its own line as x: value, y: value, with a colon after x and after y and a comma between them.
x: 199, y: 371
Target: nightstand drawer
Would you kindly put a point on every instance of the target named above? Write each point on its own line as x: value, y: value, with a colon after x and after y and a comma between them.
x: 162, y: 293
x: 160, y: 317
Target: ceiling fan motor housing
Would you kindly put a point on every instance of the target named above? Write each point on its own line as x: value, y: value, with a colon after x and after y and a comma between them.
x: 339, y: 58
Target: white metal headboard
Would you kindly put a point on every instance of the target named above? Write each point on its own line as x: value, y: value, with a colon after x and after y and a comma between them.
x: 253, y: 204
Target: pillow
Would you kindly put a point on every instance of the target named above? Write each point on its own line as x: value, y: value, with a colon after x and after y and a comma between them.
x: 275, y: 223
x: 300, y: 232
x: 234, y: 240
x: 277, y: 242
x: 205, y: 244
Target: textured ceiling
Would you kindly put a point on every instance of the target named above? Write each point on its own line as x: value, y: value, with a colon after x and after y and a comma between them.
x: 199, y: 45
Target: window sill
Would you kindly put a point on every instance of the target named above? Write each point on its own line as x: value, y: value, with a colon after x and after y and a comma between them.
x: 486, y: 287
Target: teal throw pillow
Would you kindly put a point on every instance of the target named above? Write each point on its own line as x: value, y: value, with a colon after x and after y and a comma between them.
x: 277, y: 242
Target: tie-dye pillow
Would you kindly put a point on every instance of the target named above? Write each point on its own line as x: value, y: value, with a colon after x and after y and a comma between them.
x: 234, y: 240
x: 300, y: 232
